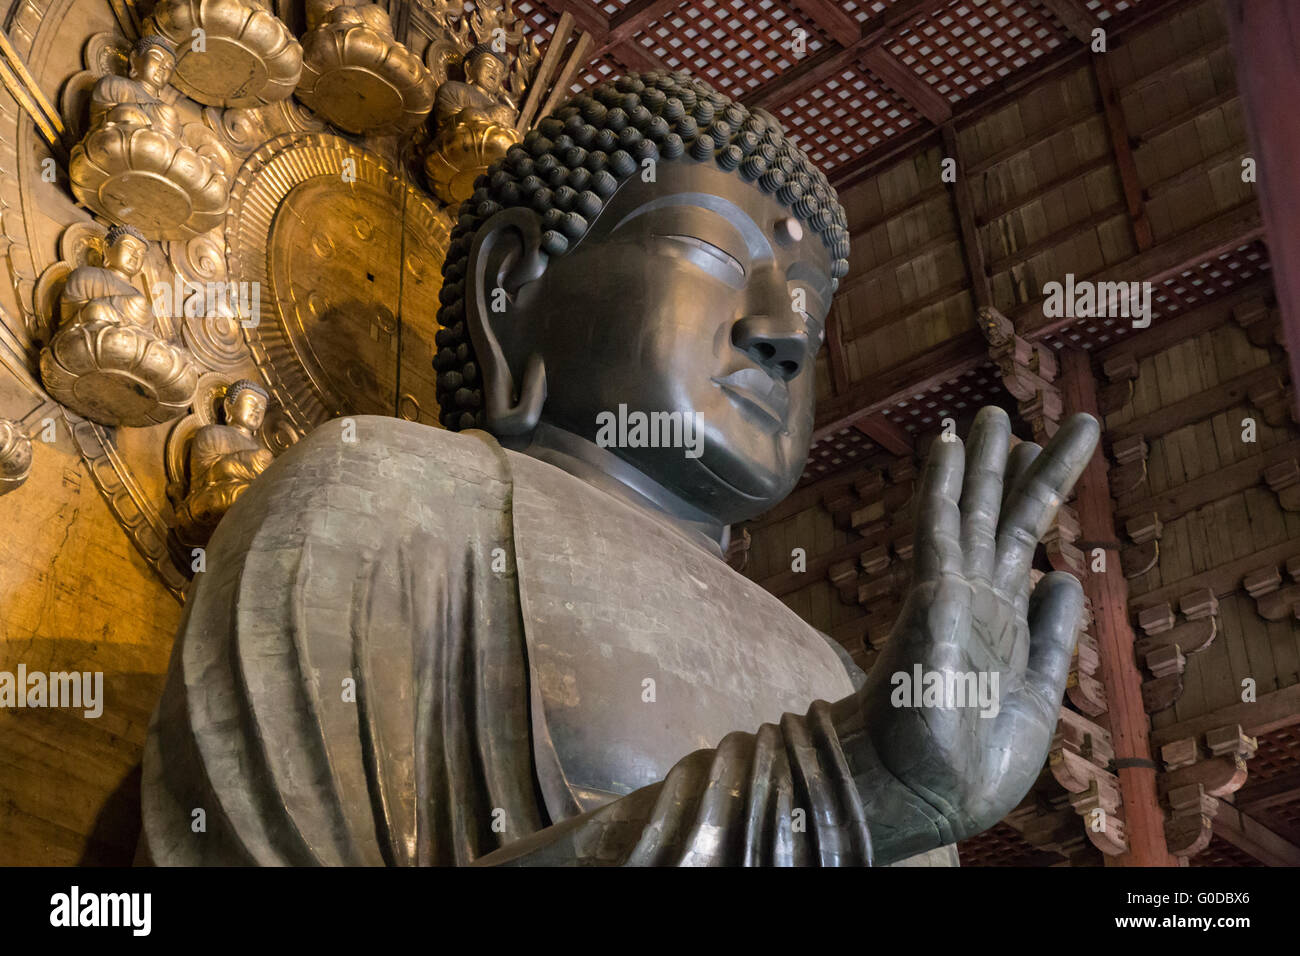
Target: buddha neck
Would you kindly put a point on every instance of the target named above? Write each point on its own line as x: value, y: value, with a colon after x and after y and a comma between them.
x: 604, y: 470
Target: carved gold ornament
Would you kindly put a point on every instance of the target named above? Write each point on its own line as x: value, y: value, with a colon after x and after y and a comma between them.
x: 359, y: 77
x: 134, y: 166
x: 246, y: 56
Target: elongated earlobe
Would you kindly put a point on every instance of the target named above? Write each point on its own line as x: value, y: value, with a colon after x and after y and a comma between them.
x: 506, y: 255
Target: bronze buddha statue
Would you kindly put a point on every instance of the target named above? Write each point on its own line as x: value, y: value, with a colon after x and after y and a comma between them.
x: 515, y: 641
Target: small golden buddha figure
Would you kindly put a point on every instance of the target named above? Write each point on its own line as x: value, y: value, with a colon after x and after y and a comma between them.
x: 133, y: 165
x: 105, y: 361
x: 223, y: 461
x: 473, y: 124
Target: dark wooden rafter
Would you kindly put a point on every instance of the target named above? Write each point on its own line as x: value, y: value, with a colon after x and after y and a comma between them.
x: 976, y: 264
x: 600, y: 28
x: 1117, y: 126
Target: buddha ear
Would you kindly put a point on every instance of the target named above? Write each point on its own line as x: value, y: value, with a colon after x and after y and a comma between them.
x: 506, y: 255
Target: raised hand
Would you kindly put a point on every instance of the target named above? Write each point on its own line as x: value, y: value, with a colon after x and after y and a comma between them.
x: 992, y: 658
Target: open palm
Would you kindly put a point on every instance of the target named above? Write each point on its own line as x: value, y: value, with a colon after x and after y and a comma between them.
x: 981, y: 511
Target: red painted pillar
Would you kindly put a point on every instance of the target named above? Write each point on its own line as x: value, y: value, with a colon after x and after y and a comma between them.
x: 1129, y: 726
x: 1266, y: 51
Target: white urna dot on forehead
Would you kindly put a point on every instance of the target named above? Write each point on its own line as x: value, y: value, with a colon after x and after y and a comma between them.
x: 788, y: 229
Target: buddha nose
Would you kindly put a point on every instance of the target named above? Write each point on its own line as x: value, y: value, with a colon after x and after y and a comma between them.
x: 775, y: 345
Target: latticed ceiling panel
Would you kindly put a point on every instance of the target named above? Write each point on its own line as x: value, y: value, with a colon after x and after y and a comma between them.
x: 1105, y: 9
x: 735, y: 45
x: 846, y: 447
x: 846, y: 116
x: 925, y: 411
x: 1182, y: 293
x: 967, y: 46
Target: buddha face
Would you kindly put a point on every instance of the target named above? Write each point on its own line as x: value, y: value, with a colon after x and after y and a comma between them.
x: 698, y: 294
x: 153, y: 67
x: 246, y: 409
x: 486, y: 71
x: 126, y: 255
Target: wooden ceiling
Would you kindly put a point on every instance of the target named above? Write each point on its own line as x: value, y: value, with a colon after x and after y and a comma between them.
x: 851, y: 80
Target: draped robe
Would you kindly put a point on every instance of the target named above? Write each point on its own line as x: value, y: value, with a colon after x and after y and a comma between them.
x: 417, y: 648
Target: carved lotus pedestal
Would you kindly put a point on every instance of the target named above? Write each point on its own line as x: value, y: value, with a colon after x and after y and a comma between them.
x: 249, y: 57
x: 118, y: 374
x: 361, y: 79
x: 139, y: 176
x: 463, y: 153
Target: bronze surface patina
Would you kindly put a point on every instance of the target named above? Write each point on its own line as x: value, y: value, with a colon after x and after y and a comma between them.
x: 520, y: 644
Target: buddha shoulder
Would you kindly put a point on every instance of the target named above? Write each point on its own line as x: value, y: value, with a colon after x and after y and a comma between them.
x: 381, y: 477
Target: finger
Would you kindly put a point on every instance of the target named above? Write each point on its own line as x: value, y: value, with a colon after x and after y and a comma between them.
x: 937, y: 547
x: 1055, y: 610
x: 1033, y: 503
x: 1018, y: 462
x: 981, y: 495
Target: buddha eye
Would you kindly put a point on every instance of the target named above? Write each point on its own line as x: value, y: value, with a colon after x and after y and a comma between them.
x: 716, y: 253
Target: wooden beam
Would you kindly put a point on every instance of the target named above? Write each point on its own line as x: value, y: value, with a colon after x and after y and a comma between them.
x: 1262, y: 794
x: 1230, y: 480
x: 955, y: 356
x: 1078, y: 19
x: 1108, y: 593
x: 889, y: 436
x: 1066, y: 58
x: 835, y: 349
x: 976, y: 264
x: 1196, y: 407
x: 920, y: 94
x: 1271, y: 712
x: 1117, y: 127
x: 635, y: 17
x: 1250, y: 836
x: 1265, y: 36
x: 836, y: 57
x: 1223, y: 233
x: 839, y: 25
x: 597, y: 26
